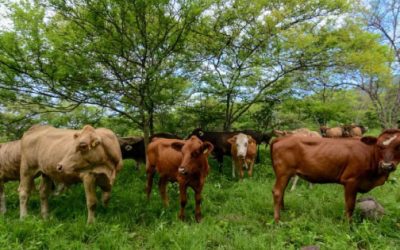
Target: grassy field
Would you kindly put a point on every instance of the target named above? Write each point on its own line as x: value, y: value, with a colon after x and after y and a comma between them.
x: 237, y: 215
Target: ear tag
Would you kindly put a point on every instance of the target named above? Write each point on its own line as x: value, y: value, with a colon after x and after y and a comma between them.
x: 205, y: 151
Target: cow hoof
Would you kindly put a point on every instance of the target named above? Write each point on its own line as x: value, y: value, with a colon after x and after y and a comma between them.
x: 198, y: 218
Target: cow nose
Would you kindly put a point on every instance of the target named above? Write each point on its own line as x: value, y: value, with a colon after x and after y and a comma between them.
x: 182, y: 170
x: 388, y: 166
x: 59, y: 167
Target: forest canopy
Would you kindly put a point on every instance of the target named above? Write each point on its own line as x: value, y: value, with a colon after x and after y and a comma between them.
x: 144, y: 66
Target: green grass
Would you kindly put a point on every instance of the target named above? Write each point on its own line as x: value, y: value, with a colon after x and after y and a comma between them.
x: 237, y: 215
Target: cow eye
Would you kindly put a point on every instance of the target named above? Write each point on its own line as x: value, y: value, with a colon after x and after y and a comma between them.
x: 194, y: 154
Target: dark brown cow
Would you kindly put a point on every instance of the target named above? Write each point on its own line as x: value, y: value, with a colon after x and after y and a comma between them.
x: 222, y: 146
x: 91, y: 156
x: 359, y: 165
x: 132, y: 147
x: 184, y: 161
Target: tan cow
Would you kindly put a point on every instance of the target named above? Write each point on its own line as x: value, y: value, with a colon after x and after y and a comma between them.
x: 297, y: 132
x: 331, y: 132
x: 10, y: 159
x: 91, y: 156
x: 244, y: 152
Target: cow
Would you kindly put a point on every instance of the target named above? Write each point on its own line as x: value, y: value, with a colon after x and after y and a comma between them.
x: 358, y: 165
x: 132, y: 147
x: 353, y: 130
x: 65, y: 156
x: 182, y: 161
x: 331, y: 132
x: 244, y: 151
x: 10, y: 159
x: 220, y: 141
x: 297, y: 132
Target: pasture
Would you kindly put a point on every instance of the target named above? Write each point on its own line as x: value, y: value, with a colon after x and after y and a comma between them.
x: 237, y: 215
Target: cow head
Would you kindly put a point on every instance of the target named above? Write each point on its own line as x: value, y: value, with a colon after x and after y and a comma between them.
x: 387, y: 148
x: 323, y: 130
x: 87, y: 151
x: 194, y: 152
x: 240, y: 142
x: 197, y: 132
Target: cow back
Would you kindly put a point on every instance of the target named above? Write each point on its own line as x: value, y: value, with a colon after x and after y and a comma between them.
x: 10, y: 159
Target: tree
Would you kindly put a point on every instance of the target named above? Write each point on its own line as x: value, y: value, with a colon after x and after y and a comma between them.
x: 253, y: 48
x: 121, y: 55
x: 383, y: 17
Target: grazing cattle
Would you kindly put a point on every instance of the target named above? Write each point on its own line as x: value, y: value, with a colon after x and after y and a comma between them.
x: 359, y: 165
x: 91, y: 156
x: 244, y: 151
x: 331, y: 132
x: 10, y: 159
x: 297, y: 132
x: 220, y: 141
x: 182, y: 161
x: 353, y: 130
x: 133, y: 147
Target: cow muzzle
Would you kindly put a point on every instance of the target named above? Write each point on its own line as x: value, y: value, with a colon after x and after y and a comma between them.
x: 60, y: 167
x: 389, y: 167
x: 182, y: 171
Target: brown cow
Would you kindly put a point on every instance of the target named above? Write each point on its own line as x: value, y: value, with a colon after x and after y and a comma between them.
x: 297, y: 132
x: 359, y: 165
x: 91, y: 156
x: 184, y: 161
x: 244, y: 152
x: 10, y: 159
x: 331, y: 132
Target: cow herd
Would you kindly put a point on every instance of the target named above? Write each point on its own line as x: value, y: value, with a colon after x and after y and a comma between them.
x: 62, y: 157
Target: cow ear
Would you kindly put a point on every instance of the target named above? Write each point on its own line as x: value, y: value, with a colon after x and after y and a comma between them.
x: 95, y: 142
x: 177, y: 146
x: 369, y: 140
x: 232, y: 140
x: 207, y: 147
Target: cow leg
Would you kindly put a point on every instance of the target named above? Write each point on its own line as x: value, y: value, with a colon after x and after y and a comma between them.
x: 233, y: 169
x: 25, y: 186
x: 89, y: 182
x: 198, y: 203
x: 150, y: 170
x: 45, y: 190
x: 278, y: 194
x: 105, y: 198
x: 295, y: 180
x: 162, y: 186
x: 183, y: 200
x: 350, y: 195
x: 3, y: 207
x: 241, y: 166
x: 250, y: 170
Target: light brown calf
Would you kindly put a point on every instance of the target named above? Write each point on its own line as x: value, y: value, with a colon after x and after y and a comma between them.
x: 182, y: 161
x: 91, y: 156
